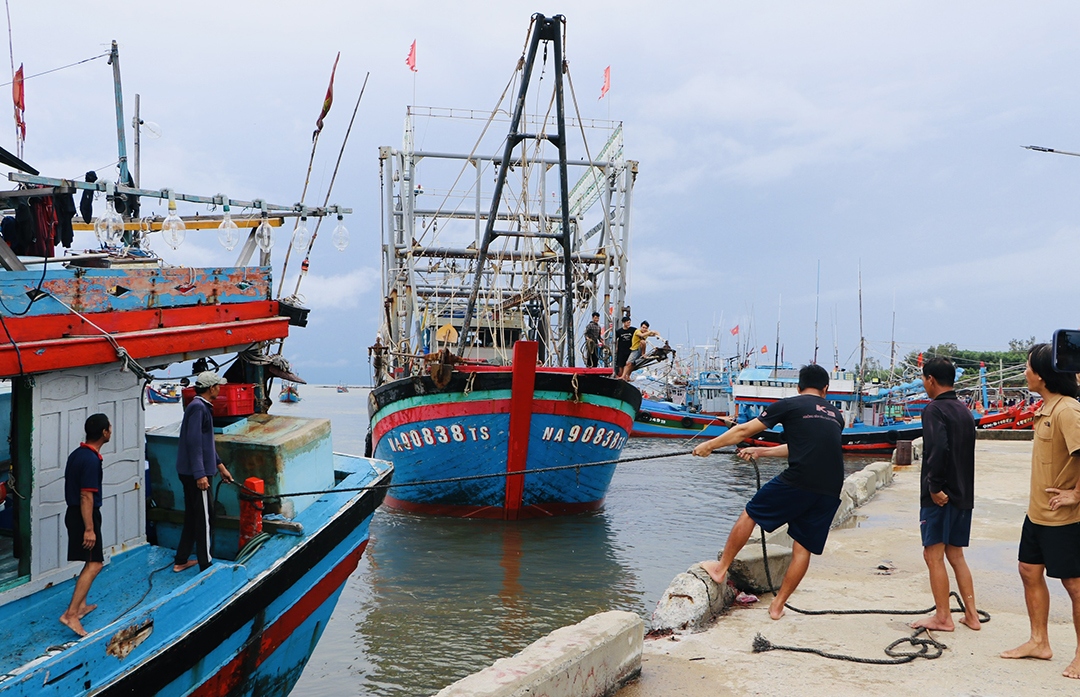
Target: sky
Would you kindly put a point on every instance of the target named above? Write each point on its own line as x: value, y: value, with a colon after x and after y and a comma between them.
x: 772, y: 137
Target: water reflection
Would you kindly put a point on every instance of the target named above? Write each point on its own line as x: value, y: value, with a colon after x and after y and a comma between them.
x: 450, y: 596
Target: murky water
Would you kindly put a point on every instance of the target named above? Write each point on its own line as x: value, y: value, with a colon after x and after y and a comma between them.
x: 435, y: 599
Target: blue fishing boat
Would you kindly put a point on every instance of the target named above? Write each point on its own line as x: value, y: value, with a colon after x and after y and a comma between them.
x: 481, y: 309
x: 290, y: 393
x: 83, y: 340
x: 657, y: 419
x: 164, y: 395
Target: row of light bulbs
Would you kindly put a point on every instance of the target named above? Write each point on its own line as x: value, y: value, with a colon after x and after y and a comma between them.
x: 109, y: 228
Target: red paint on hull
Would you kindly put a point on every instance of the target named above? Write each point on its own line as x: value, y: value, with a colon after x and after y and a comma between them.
x: 546, y: 510
x: 237, y: 670
x: 517, y: 446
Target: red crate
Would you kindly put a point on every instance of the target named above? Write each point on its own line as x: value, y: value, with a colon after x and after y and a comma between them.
x: 234, y: 399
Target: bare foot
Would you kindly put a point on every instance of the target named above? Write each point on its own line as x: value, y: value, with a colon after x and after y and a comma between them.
x: 177, y: 568
x: 971, y: 622
x: 1029, y: 649
x: 86, y: 610
x: 72, y: 622
x: 1073, y: 671
x: 933, y: 622
x: 776, y: 611
x: 713, y: 569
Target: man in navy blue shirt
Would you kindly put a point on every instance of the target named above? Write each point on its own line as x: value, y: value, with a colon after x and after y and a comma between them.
x: 806, y: 495
x: 196, y: 464
x: 82, y: 493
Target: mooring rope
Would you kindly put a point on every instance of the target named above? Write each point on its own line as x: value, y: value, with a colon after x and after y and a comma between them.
x: 254, y: 495
x: 928, y: 648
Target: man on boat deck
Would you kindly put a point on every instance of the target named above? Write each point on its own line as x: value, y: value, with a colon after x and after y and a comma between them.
x: 196, y: 463
x: 592, y: 341
x: 947, y: 494
x: 82, y: 493
x: 638, y: 346
x: 624, y: 336
x: 1050, y: 539
x: 806, y: 495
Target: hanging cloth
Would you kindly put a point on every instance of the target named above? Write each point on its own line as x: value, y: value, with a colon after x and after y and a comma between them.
x: 24, y: 228
x: 86, y: 204
x: 44, y: 226
x: 65, y: 211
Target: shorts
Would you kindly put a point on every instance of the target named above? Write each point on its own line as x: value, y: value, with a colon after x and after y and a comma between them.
x: 1057, y: 547
x: 74, y: 523
x: 945, y: 524
x: 634, y: 355
x: 808, y: 514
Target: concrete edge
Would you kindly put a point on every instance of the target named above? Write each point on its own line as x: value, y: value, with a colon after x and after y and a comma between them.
x: 593, y: 658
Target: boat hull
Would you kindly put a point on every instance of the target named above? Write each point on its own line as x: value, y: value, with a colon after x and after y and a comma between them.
x: 665, y: 420
x: 477, y: 428
x: 859, y: 439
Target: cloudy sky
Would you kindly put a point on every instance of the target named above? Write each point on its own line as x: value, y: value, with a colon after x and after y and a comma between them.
x: 771, y: 136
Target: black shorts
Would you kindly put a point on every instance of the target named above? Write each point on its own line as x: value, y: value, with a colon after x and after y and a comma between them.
x: 1057, y: 547
x: 808, y: 514
x: 74, y: 523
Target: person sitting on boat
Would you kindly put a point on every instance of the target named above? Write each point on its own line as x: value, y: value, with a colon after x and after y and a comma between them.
x: 806, y: 495
x: 82, y: 493
x: 377, y: 352
x: 197, y: 462
x: 638, y: 347
x: 592, y: 341
x: 624, y: 336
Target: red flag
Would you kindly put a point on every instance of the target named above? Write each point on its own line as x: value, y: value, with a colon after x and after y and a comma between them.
x: 920, y: 359
x: 18, y: 94
x: 607, y: 82
x: 735, y: 330
x: 328, y: 101
x: 765, y: 348
x: 411, y: 60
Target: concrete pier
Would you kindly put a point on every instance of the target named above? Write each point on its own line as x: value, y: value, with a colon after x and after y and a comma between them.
x: 875, y: 561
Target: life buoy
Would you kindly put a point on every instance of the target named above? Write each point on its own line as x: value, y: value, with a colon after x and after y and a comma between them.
x: 643, y: 416
x: 893, y: 436
x: 687, y: 422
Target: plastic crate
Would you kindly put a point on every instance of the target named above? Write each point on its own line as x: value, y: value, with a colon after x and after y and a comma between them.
x: 234, y: 399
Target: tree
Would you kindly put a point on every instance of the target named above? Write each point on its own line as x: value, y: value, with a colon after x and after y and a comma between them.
x: 1021, y: 345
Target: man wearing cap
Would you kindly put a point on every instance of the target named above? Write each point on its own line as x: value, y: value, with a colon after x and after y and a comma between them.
x: 196, y: 464
x: 592, y: 341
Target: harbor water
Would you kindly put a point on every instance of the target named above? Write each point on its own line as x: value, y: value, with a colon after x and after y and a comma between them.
x: 435, y: 599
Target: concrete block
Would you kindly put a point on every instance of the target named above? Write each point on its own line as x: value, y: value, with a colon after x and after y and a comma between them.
x: 589, y: 659
x: 860, y: 486
x: 778, y: 536
x: 748, y: 570
x: 846, y: 509
x: 916, y: 450
x: 691, y: 601
x: 883, y: 471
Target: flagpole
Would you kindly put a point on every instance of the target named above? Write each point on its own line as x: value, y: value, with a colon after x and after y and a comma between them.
x: 11, y: 54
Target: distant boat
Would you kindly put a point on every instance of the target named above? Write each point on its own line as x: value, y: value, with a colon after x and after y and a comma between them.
x: 667, y: 420
x: 168, y: 394
x: 290, y: 393
x: 342, y: 388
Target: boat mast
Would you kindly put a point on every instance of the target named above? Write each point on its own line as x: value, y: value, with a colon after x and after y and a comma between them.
x: 121, y: 141
x: 817, y: 309
x: 543, y: 29
x: 776, y: 353
x: 862, y: 352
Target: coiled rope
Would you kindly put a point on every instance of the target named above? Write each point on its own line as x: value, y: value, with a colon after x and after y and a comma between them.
x: 928, y: 648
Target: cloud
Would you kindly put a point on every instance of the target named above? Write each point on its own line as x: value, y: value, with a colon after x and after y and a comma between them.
x: 336, y: 292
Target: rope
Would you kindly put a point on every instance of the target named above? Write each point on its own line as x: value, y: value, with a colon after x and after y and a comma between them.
x: 448, y: 480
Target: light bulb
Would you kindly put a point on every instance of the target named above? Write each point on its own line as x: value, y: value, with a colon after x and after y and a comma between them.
x: 109, y: 227
x: 228, y: 233
x: 300, y: 236
x: 264, y: 235
x: 340, y: 238
x: 172, y: 228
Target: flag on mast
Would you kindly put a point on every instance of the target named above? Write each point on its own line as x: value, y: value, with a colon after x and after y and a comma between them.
x: 735, y: 330
x: 765, y: 348
x: 18, y: 94
x: 607, y: 82
x: 328, y: 101
x: 411, y: 60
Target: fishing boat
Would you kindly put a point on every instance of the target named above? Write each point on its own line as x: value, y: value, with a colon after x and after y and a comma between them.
x: 342, y: 388
x: 657, y: 419
x: 82, y: 334
x: 165, y: 393
x: 290, y: 393
x: 485, y: 409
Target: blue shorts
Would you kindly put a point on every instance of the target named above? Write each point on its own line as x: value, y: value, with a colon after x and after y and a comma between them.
x: 808, y: 514
x: 945, y: 524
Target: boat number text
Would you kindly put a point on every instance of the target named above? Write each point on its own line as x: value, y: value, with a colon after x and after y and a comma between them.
x: 418, y: 438
x: 604, y: 437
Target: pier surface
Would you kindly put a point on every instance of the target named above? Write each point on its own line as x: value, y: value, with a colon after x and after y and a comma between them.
x: 883, y: 533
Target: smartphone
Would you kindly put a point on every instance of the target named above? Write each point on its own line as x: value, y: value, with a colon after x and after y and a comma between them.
x: 1067, y: 350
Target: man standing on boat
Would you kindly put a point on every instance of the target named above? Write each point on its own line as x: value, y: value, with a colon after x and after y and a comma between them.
x: 592, y: 341
x: 638, y: 346
x: 806, y: 495
x: 196, y: 463
x: 947, y: 495
x: 624, y: 336
x: 82, y: 493
x: 1050, y: 539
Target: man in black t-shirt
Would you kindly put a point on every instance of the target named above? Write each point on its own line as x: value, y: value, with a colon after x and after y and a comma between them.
x: 623, y: 338
x: 806, y: 495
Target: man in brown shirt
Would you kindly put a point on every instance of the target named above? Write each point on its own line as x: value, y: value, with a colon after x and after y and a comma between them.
x: 1050, y: 540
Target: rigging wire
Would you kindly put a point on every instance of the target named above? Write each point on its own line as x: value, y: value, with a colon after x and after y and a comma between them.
x: 53, y: 70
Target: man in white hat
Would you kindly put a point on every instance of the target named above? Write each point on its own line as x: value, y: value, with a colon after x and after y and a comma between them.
x: 196, y: 463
